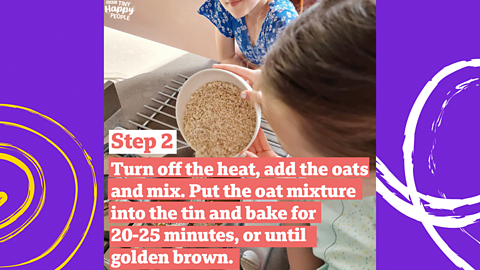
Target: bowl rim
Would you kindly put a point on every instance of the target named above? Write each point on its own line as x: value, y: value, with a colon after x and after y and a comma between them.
x: 258, y: 110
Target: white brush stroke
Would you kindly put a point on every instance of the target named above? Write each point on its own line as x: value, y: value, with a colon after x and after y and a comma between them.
x: 471, y: 236
x: 413, y: 206
x: 407, y: 208
x: 461, y: 87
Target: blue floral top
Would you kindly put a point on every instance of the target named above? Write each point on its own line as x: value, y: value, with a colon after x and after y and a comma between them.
x: 281, y: 13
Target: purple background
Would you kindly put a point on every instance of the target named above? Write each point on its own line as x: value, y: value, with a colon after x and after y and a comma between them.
x: 416, y: 39
x: 52, y: 59
x: 52, y: 62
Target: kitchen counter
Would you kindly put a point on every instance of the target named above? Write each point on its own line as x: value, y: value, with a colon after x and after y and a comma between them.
x: 126, y: 55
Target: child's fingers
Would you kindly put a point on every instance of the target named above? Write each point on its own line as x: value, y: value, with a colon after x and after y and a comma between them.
x: 252, y: 96
x: 252, y: 149
x: 262, y: 140
x: 248, y: 154
x: 241, y: 71
x: 252, y: 66
x: 248, y: 81
x: 257, y: 144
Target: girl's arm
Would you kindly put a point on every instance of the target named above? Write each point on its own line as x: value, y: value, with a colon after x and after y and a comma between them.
x: 226, y: 50
x: 246, y: 63
x: 302, y: 258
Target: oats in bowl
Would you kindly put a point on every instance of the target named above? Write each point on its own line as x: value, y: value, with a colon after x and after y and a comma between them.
x: 217, y: 121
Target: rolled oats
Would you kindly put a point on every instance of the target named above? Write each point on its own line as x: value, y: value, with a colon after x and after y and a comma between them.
x: 217, y: 121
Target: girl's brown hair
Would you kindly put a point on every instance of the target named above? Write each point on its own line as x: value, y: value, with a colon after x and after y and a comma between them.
x: 324, y: 68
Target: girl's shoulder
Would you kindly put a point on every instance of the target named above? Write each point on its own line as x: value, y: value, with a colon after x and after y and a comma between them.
x: 214, y: 8
x: 283, y: 9
x: 282, y: 12
x: 219, y: 16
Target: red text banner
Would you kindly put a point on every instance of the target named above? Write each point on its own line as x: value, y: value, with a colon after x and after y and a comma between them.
x: 166, y: 258
x: 235, y: 189
x: 215, y: 212
x: 213, y: 236
x: 239, y: 167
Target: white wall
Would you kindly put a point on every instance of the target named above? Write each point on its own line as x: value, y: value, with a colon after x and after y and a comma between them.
x: 172, y: 22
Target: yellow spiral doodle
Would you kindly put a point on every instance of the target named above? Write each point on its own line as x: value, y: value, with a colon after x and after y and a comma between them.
x: 3, y: 197
x: 31, y: 189
x: 67, y: 225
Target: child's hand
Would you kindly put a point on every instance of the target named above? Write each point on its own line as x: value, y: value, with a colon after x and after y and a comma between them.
x: 250, y: 65
x: 249, y: 75
x: 260, y: 147
x: 252, y: 96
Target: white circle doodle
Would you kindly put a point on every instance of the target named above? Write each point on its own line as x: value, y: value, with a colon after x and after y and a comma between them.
x: 411, y: 205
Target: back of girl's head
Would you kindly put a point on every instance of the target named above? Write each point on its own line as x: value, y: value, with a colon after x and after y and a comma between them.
x: 324, y: 68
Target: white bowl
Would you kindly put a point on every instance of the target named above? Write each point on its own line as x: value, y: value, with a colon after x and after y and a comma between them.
x: 204, y: 77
